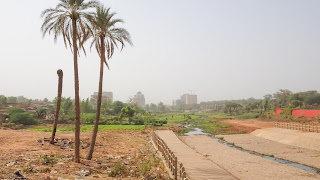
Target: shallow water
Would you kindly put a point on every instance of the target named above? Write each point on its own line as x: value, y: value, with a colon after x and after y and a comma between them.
x: 198, y: 131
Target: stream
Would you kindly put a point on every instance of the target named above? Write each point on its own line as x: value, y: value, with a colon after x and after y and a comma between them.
x: 198, y: 131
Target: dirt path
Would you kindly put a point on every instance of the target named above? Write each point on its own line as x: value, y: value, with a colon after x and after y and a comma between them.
x: 248, y: 125
x: 244, y: 165
x: 125, y: 154
x: 197, y: 166
x: 268, y: 147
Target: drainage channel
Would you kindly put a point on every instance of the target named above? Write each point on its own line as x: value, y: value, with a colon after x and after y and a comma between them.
x: 198, y: 131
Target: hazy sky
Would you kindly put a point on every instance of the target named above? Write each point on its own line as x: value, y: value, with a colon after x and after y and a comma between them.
x: 215, y: 49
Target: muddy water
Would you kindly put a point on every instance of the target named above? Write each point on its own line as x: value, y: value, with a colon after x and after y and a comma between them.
x: 198, y: 131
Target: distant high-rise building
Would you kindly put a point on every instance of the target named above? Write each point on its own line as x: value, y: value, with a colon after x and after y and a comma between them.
x: 189, y: 99
x: 105, y: 96
x: 139, y: 99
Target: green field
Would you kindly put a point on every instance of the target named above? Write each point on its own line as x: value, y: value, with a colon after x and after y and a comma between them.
x: 208, y: 122
x: 85, y: 128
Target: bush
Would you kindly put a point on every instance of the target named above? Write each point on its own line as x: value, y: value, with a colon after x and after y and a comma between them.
x: 118, y: 170
x: 160, y: 122
x: 22, y: 118
x: 88, y: 118
x: 138, y: 121
x: 15, y: 111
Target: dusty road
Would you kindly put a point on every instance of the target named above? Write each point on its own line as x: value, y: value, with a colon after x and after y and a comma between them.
x: 244, y: 165
x: 128, y: 154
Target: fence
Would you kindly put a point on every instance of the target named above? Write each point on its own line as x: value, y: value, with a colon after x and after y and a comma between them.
x: 170, y: 158
x: 296, y: 126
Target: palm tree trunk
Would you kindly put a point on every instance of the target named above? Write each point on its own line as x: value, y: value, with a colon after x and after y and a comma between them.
x: 76, y: 91
x: 60, y: 74
x: 96, y: 123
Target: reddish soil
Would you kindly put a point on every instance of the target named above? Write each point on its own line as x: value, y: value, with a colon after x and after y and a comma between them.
x: 247, y: 126
x: 126, y: 154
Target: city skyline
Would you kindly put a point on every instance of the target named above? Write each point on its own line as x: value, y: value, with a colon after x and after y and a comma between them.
x: 238, y: 50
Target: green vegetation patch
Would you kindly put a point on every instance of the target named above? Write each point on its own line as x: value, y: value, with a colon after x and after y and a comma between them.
x: 49, y: 129
x: 90, y: 128
x: 114, y: 127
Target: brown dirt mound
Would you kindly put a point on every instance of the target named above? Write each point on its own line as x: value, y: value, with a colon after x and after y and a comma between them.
x: 247, y: 126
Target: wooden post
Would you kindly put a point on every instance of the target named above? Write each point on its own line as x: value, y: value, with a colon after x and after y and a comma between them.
x: 175, y: 164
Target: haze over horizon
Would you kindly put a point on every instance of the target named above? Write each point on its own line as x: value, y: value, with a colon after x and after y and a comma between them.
x: 215, y: 49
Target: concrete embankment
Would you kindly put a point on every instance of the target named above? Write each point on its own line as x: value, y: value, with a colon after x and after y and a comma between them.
x: 197, y: 166
x: 242, y: 164
x: 307, y: 140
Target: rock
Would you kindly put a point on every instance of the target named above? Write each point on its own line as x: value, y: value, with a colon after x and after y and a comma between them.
x: 117, y: 157
x: 10, y: 164
x: 17, y: 175
x: 110, y: 157
x: 59, y: 178
x: 84, y: 172
x: 53, y: 172
x: 126, y: 162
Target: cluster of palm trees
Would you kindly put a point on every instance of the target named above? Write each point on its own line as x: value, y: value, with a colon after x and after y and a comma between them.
x: 76, y: 23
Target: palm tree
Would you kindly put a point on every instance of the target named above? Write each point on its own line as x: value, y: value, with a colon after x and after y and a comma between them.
x: 106, y: 38
x: 60, y: 74
x: 70, y: 19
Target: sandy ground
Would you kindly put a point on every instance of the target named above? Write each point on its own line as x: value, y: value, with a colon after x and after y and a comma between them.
x: 244, y: 165
x: 128, y: 152
x: 308, y: 140
x: 264, y: 146
x: 248, y: 125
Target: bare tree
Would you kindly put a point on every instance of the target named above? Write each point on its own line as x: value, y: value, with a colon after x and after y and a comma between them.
x: 56, y: 118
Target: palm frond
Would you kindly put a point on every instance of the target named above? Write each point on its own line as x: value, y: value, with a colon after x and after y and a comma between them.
x: 104, y: 26
x: 58, y: 21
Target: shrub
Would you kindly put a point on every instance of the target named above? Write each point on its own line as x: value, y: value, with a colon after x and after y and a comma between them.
x: 88, y: 118
x: 118, y: 170
x: 15, y: 111
x: 49, y: 160
x: 160, y: 122
x: 22, y: 118
x: 138, y: 121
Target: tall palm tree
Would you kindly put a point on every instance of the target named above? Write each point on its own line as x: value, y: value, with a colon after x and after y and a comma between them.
x: 70, y: 19
x: 60, y: 74
x: 106, y: 38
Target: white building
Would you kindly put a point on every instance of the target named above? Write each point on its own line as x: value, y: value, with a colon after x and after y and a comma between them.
x: 105, y: 96
x: 139, y: 99
x: 189, y: 99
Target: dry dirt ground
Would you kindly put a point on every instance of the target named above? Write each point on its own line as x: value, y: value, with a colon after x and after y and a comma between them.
x: 123, y: 154
x: 244, y: 165
x: 248, y: 125
x: 264, y: 146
